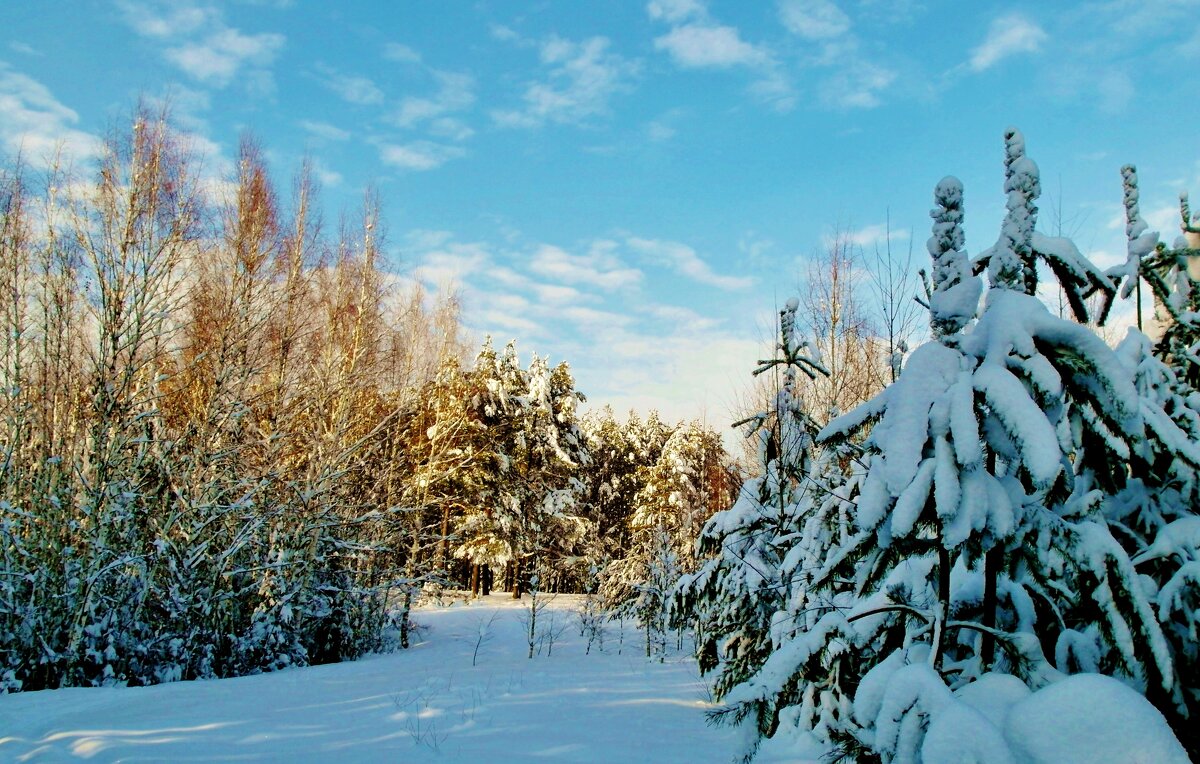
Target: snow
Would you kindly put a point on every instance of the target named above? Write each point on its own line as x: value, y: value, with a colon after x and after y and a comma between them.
x: 428, y: 703
x: 1089, y: 718
x: 910, y: 715
x: 961, y: 734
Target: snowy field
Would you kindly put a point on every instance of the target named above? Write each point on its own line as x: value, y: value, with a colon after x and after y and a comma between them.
x: 426, y: 704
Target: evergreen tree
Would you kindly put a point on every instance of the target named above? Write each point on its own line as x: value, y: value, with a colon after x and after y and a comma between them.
x: 526, y: 514
x: 979, y: 523
x: 1154, y: 515
x: 732, y: 598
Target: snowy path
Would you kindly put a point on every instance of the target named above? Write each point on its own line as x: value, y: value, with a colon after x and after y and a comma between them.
x: 427, y: 704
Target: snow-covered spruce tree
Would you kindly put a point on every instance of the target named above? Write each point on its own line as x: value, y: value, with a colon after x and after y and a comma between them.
x: 555, y: 454
x: 1155, y: 515
x: 526, y: 514
x: 980, y: 521
x: 612, y: 481
x: 730, y: 600
x: 481, y: 530
x: 678, y: 493
x: 1170, y: 273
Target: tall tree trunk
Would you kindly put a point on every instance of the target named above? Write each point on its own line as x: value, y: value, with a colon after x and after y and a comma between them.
x: 444, y: 542
x: 943, y: 602
x: 991, y: 572
x: 485, y: 579
x: 992, y: 561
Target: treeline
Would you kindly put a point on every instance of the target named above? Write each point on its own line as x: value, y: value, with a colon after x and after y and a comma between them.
x: 233, y: 442
x: 522, y: 492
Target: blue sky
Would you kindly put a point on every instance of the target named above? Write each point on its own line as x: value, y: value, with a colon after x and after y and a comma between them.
x: 635, y: 186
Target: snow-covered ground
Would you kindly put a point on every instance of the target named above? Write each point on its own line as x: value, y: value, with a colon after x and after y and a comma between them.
x: 426, y: 704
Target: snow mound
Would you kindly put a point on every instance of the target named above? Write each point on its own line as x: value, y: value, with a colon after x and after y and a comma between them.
x: 1089, y: 718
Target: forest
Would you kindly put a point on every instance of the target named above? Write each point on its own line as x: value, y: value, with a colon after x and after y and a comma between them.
x: 234, y: 441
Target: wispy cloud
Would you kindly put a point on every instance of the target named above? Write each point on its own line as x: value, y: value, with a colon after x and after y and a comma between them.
x: 324, y: 130
x: 165, y: 20
x: 580, y: 80
x: 419, y: 155
x: 699, y: 45
x: 660, y: 130
x: 395, y: 51
x: 354, y: 89
x: 684, y: 260
x: 674, y: 11
x: 1007, y: 36
x: 598, y: 267
x: 813, y: 19
x: 202, y: 45
x: 683, y: 319
x: 592, y: 317
x: 624, y: 349
x: 857, y: 85
x: 328, y: 177
x: 450, y: 129
x: 24, y: 49
x: 36, y: 123
x: 867, y: 237
x: 849, y: 79
x: 218, y: 57
x: 449, y: 264
x: 455, y: 92
x: 697, y: 41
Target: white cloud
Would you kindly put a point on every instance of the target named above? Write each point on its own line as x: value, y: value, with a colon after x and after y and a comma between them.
x: 867, y: 237
x: 329, y: 178
x: 582, y: 77
x: 36, y: 123
x: 1164, y: 219
x: 599, y: 267
x: 450, y: 128
x: 449, y: 264
x: 419, y: 155
x: 683, y: 319
x: 684, y: 260
x: 493, y: 320
x: 857, y: 85
x: 674, y: 11
x: 324, y: 130
x: 1007, y: 36
x: 682, y: 375
x: 659, y: 131
x: 813, y: 19
x: 220, y: 55
x: 167, y: 19
x: 695, y: 46
x: 696, y: 41
x: 455, y: 92
x: 503, y: 33
x: 592, y: 318
x: 557, y: 294
x: 203, y: 46
x: 395, y: 51
x: 350, y: 88
x: 623, y: 350
x: 23, y: 48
